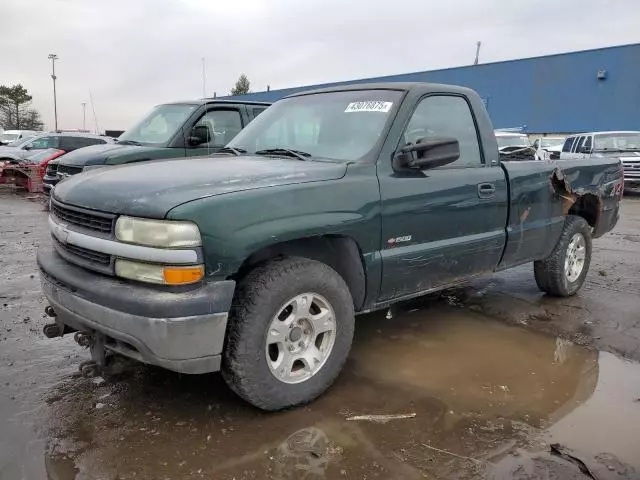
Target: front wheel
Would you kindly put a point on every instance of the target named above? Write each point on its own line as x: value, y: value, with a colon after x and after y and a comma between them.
x: 289, y: 333
x: 563, y: 272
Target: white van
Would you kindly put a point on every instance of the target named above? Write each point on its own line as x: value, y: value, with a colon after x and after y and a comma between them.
x: 9, y: 136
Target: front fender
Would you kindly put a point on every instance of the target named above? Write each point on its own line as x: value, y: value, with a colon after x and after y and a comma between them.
x: 235, y: 225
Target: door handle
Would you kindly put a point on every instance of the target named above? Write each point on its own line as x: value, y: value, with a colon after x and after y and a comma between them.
x: 486, y: 190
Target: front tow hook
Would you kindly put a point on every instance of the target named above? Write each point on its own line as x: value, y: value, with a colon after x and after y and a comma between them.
x: 53, y: 330
x: 56, y: 329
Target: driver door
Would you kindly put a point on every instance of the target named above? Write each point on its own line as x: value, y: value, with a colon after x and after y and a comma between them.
x: 212, y: 131
x: 442, y: 224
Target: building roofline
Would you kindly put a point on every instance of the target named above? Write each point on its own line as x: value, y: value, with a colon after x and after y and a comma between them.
x: 459, y: 67
x: 536, y: 57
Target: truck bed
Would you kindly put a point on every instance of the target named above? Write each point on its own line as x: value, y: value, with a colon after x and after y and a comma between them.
x: 541, y: 195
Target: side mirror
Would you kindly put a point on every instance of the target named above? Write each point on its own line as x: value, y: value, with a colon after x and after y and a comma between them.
x: 199, y: 134
x: 428, y: 153
x: 27, y: 147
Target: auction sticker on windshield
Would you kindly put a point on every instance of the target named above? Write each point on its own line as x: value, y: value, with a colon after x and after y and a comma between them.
x: 370, y: 106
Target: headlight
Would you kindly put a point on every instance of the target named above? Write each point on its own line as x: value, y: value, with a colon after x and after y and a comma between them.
x: 157, y: 233
x: 161, y: 274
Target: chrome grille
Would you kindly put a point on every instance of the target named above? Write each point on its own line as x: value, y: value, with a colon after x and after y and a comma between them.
x: 631, y: 168
x: 83, y: 257
x: 99, y: 222
x: 85, y: 253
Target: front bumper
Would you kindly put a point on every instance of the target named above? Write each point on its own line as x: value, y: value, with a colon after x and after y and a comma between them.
x: 179, y: 330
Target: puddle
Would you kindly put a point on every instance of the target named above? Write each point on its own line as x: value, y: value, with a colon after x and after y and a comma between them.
x: 488, y: 401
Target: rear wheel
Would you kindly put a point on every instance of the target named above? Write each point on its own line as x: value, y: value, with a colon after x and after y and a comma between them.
x: 563, y: 272
x: 289, y: 333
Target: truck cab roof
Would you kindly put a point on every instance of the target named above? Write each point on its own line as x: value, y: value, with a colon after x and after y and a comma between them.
x: 417, y: 87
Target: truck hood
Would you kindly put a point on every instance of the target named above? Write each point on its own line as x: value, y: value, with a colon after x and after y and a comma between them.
x: 111, y: 154
x: 152, y: 189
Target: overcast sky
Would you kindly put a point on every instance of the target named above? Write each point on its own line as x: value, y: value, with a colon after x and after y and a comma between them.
x: 134, y: 54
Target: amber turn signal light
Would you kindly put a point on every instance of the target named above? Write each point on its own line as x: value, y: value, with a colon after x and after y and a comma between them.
x: 182, y: 275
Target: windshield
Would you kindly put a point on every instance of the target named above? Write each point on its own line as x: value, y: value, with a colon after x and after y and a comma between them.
x: 551, y: 142
x: 618, y: 141
x: 512, y: 141
x: 340, y: 126
x: 8, y: 137
x: 159, y: 125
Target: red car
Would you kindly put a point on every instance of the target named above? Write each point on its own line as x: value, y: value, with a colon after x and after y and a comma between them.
x: 28, y: 173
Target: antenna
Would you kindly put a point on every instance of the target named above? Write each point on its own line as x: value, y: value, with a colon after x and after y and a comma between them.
x: 206, y: 105
x: 478, y: 45
x: 204, y: 79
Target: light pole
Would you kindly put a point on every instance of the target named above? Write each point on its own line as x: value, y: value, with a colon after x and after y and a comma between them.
x: 53, y: 57
x: 84, y: 117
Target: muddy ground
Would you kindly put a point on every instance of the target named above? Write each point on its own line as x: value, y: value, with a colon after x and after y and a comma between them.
x: 485, y: 379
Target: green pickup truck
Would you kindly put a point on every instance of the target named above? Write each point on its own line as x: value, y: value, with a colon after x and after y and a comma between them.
x: 180, y: 129
x: 331, y: 203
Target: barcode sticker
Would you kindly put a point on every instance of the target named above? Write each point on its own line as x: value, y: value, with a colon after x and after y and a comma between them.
x: 371, y: 106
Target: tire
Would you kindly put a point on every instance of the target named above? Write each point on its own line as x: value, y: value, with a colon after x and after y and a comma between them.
x: 249, y: 363
x: 551, y: 273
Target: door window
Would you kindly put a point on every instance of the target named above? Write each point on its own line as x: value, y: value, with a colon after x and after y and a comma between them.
x: 257, y: 111
x: 221, y: 125
x: 588, y: 144
x: 446, y: 116
x: 578, y: 145
x: 568, y: 143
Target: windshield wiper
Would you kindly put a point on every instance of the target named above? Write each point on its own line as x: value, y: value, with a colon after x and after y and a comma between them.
x: 129, y: 142
x: 235, y: 150
x: 304, y: 156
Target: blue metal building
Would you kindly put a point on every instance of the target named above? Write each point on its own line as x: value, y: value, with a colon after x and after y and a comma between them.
x: 582, y: 91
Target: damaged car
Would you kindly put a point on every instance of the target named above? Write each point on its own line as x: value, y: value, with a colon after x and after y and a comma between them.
x: 331, y: 203
x: 515, y: 146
